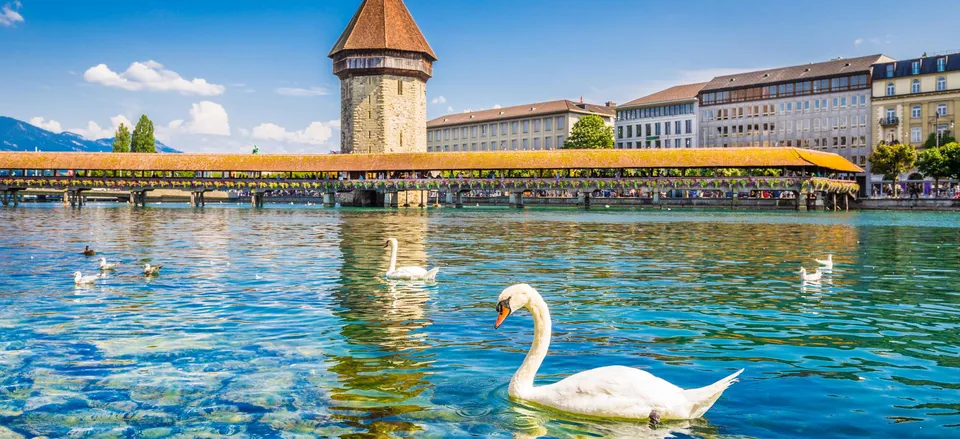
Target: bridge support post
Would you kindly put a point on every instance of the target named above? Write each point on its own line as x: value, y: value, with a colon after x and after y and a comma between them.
x: 330, y: 199
x: 197, y: 199
x: 449, y: 197
x: 817, y: 205
x: 74, y: 198
x: 516, y: 200
x: 423, y: 199
x: 846, y: 202
x: 836, y: 207
x: 256, y: 199
x: 4, y: 198
x: 138, y: 198
x: 391, y: 199
x: 801, y: 201
x: 458, y: 199
x: 583, y: 200
x: 16, y: 197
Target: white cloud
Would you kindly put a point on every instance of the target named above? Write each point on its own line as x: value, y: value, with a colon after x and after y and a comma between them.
x: 94, y: 131
x: 312, y: 91
x: 151, y: 76
x: 317, y: 133
x: 208, y: 118
x: 49, y: 125
x: 439, y: 100
x: 857, y: 42
x: 9, y: 15
x: 874, y: 41
x: 449, y: 109
x: 244, y: 132
x: 497, y: 106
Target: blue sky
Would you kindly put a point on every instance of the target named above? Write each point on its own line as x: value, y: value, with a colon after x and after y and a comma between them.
x: 255, y: 72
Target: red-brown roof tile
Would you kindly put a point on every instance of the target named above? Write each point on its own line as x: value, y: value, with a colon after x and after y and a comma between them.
x: 676, y: 93
x: 383, y: 25
x: 517, y: 111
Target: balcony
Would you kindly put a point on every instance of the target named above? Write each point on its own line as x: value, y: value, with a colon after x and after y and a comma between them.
x: 889, y: 121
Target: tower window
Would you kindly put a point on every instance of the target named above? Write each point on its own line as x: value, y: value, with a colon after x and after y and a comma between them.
x: 400, y: 87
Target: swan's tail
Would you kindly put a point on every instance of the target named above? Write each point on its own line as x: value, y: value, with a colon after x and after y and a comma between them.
x: 432, y: 274
x: 704, y: 397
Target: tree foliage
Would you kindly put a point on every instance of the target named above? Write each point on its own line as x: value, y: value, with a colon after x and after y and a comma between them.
x: 946, y: 138
x: 143, y: 140
x: 590, y: 132
x: 951, y: 159
x: 893, y: 160
x: 121, y: 139
x: 931, y: 163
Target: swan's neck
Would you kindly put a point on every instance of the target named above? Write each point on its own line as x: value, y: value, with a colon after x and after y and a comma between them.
x: 522, y: 382
x: 393, y: 257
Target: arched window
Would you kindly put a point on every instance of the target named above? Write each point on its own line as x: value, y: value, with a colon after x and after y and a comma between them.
x: 915, y: 86
x: 941, y: 83
x: 891, y: 90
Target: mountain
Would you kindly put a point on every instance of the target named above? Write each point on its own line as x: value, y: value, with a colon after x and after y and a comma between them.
x: 17, y: 135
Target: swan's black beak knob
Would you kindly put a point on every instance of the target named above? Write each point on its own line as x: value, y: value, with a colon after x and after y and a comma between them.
x: 503, y: 311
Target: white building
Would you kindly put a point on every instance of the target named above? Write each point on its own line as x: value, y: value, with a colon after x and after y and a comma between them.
x: 666, y: 119
x: 530, y: 127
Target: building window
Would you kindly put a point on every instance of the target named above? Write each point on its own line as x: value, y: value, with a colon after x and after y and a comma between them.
x: 559, y: 126
x: 513, y: 144
x: 915, y: 111
x: 891, y: 114
x: 915, y: 68
x: 446, y: 148
x: 456, y: 147
x: 483, y: 131
x: 676, y: 127
x: 515, y: 127
x: 559, y: 138
x: 526, y: 144
x: 915, y: 86
x: 620, y: 132
x: 546, y: 142
x: 464, y: 132
x: 889, y: 70
x: 473, y: 146
x: 863, y: 101
x: 942, y: 109
x: 863, y: 120
x: 446, y: 134
x: 536, y: 143
x: 941, y: 83
x: 941, y: 64
x: 891, y: 90
x: 915, y: 135
x: 689, y: 126
x: 688, y: 142
x: 676, y: 142
x: 657, y: 126
x: 629, y: 130
x: 483, y: 146
x: 503, y: 128
x: 619, y: 145
x: 536, y: 125
x: 526, y: 126
x: 548, y: 124
x: 473, y: 131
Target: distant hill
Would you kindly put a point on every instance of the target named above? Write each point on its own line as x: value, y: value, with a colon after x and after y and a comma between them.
x: 17, y: 135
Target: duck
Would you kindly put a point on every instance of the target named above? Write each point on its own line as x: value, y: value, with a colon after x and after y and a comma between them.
x: 406, y: 273
x: 105, y: 266
x: 151, y: 270
x: 80, y: 280
x: 606, y: 392
x: 826, y: 263
x: 87, y: 251
x: 812, y: 277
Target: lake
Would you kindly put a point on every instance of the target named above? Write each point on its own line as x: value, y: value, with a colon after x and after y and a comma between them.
x: 277, y: 322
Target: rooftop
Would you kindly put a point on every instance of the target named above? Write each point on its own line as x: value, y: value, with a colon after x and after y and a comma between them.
x: 383, y: 25
x: 554, y: 159
x: 833, y: 67
x: 928, y: 65
x: 672, y: 94
x: 518, y: 111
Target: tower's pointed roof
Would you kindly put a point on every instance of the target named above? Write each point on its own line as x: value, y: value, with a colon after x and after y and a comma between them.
x: 383, y: 25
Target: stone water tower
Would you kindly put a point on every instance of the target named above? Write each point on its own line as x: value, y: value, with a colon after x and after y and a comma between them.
x: 383, y: 62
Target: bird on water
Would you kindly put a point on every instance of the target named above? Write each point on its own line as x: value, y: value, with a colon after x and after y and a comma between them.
x: 151, y: 270
x: 87, y: 251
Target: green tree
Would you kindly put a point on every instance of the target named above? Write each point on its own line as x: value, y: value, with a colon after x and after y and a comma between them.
x: 143, y: 140
x: 931, y: 163
x: 945, y: 138
x: 951, y: 159
x: 590, y: 132
x: 121, y: 140
x: 893, y: 160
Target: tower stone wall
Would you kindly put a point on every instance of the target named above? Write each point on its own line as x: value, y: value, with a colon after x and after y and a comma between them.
x: 383, y: 113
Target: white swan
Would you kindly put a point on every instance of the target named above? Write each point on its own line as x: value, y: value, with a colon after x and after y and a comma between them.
x: 406, y: 273
x: 812, y: 277
x: 608, y: 392
x: 81, y: 280
x: 104, y: 266
x: 151, y: 270
x: 826, y: 263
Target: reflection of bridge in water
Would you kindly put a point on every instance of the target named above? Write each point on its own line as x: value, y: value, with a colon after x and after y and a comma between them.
x: 388, y: 179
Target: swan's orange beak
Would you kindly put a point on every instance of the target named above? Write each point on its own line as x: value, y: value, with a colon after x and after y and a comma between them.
x: 503, y: 311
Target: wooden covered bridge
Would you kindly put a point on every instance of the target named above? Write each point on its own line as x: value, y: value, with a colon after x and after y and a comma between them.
x: 385, y: 179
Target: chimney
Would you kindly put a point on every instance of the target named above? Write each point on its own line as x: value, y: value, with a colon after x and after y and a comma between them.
x: 611, y: 104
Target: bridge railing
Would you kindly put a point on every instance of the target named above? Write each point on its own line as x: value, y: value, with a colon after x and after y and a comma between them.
x: 815, y: 184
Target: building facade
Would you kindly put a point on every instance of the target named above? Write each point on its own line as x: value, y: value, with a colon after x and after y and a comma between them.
x: 666, y: 119
x: 916, y: 97
x: 383, y: 62
x: 823, y: 106
x: 531, y: 127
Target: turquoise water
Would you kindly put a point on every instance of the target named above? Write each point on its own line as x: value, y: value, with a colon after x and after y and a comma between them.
x: 276, y: 322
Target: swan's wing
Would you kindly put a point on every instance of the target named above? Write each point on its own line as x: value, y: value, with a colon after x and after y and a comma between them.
x: 613, y: 391
x: 409, y: 272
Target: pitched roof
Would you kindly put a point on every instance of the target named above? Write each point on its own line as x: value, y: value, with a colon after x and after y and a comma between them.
x: 805, y: 71
x: 554, y: 159
x: 527, y: 110
x: 383, y: 25
x: 675, y: 93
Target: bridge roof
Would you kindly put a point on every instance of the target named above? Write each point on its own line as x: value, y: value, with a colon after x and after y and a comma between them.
x: 555, y: 159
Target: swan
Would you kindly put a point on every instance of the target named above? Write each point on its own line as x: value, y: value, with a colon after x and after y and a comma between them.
x: 81, y: 280
x: 151, y: 270
x: 608, y: 392
x: 406, y: 273
x: 812, y: 277
x: 826, y: 263
x: 104, y: 266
